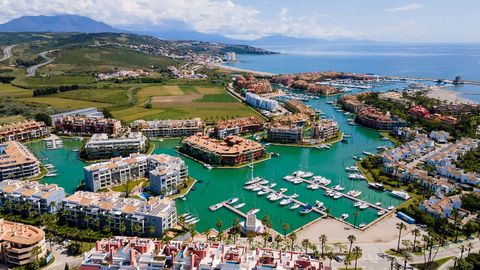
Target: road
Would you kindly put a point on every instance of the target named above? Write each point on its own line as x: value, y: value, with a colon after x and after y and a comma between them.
x: 7, y: 52
x: 31, y: 70
x: 61, y: 259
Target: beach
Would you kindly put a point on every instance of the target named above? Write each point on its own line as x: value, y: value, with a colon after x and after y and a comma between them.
x: 236, y: 69
x: 442, y: 93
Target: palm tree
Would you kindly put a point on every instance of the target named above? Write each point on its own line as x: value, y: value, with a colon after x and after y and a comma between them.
x: 36, y: 250
x: 415, y: 233
x: 122, y: 228
x: 469, y: 246
x: 355, y: 215
x: 250, y: 236
x: 219, y: 225
x: 285, y: 228
x: 278, y: 240
x: 356, y: 252
x: 136, y: 228
x: 351, y: 238
x: 207, y: 234
x: 305, y: 244
x: 151, y: 231
x: 323, y: 240
x: 462, y: 250
x: 265, y: 236
x: 400, y: 226
x: 407, y: 257
x: 330, y: 256
x: 292, y: 237
x: 392, y: 260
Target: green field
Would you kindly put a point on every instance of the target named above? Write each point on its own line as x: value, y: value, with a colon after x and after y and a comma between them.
x: 7, y: 90
x: 54, y: 80
x: 65, y: 103
x: 98, y: 95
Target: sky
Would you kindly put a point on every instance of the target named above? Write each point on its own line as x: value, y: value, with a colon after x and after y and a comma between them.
x: 384, y: 20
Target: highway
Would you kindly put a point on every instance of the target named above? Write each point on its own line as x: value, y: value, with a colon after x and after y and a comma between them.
x: 31, y: 70
x: 7, y: 52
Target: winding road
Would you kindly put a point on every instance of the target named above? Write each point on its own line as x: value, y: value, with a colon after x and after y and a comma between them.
x: 31, y: 70
x: 7, y: 52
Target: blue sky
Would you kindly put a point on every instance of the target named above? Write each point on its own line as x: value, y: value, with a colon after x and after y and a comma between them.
x: 390, y: 20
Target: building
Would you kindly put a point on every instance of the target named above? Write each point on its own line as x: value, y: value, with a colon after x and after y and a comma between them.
x: 440, y: 206
x: 21, y: 244
x: 100, y: 146
x: 230, y: 57
x: 253, y: 85
x: 44, y: 198
x: 168, y: 128
x: 168, y: 176
x: 351, y: 103
x: 296, y: 106
x: 419, y: 110
x: 296, y: 119
x: 373, y: 118
x: 17, y: 162
x: 230, y: 151
x: 119, y: 170
x: 123, y: 215
x: 237, y: 126
x: 439, y: 136
x: 420, y: 144
x: 325, y: 129
x: 285, y: 134
x: 23, y: 131
x: 260, y: 102
x: 83, y: 125
x: 87, y: 112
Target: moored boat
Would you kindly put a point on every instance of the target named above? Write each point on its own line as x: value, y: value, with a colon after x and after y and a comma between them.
x: 295, y: 206
x: 240, y: 205
x: 344, y: 216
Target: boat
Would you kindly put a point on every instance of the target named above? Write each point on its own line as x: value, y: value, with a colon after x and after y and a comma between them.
x: 215, y: 206
x: 51, y: 174
x: 381, y: 212
x: 313, y: 186
x: 75, y: 150
x: 306, y: 209
x: 352, y: 169
x: 327, y: 146
x: 250, y: 187
x: 232, y: 200
x: 286, y: 201
x: 253, y: 181
x: 337, y: 195
x: 297, y: 181
x: 289, y: 177
x: 253, y: 211
x: 263, y: 192
x: 275, y: 154
x: 357, y: 158
x: 364, y: 206
x: 328, y: 192
x: 318, y: 204
x: 367, y: 153
x: 208, y: 166
x: 376, y: 186
x: 354, y: 193
x: 356, y: 176
x: 298, y: 173
x: 195, y: 221
x: 282, y: 190
x: 391, y: 207
x: 338, y: 188
x: 347, y: 135
x: 362, y: 224
x: 240, y: 205
x: 190, y: 219
x: 400, y: 194
x: 275, y: 197
x: 357, y: 204
x: 307, y: 175
x: 257, y: 188
x: 378, y: 203
x: 183, y: 198
x: 263, y: 182
x: 344, y: 216
x: 272, y: 185
x: 325, y: 182
x: 295, y: 206
x: 294, y: 195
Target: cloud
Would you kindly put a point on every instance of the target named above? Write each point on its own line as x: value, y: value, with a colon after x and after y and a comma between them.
x: 409, y: 7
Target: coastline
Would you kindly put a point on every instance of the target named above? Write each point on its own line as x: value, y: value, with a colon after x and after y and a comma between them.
x: 254, y: 72
x: 442, y: 93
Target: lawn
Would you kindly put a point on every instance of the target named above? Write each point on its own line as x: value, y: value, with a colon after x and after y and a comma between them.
x: 146, y: 92
x: 11, y: 119
x: 113, y: 96
x: 8, y: 90
x: 54, y: 80
x: 223, y: 97
x: 66, y: 104
x: 433, y: 265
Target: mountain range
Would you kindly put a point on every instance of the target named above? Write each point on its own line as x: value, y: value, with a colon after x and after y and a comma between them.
x: 82, y: 24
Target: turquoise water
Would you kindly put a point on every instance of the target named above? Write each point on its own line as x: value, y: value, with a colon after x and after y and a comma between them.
x: 220, y: 184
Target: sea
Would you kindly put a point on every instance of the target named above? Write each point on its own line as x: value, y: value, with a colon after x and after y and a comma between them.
x: 436, y: 61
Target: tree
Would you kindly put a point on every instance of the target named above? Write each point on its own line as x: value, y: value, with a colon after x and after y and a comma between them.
x: 330, y: 256
x: 400, y: 226
x: 151, y: 231
x: 406, y: 257
x: 415, y: 233
x: 356, y: 252
x: 469, y: 247
x: 43, y: 117
x: 351, y: 238
x: 306, y: 244
x: 66, y: 267
x: 355, y: 215
x: 323, y: 240
x: 207, y: 234
x: 265, y: 236
x: 392, y: 260
x: 285, y: 228
x: 278, y: 239
x: 122, y: 228
x: 250, y: 237
x: 219, y: 226
x: 266, y: 221
x: 292, y: 237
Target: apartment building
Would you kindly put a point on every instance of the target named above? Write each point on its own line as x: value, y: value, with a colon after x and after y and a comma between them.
x: 420, y: 144
x: 373, y: 118
x: 123, y: 215
x: 168, y: 176
x: 325, y: 129
x: 285, y: 133
x: 237, y: 126
x: 119, y: 170
x: 23, y: 131
x: 87, y: 112
x: 83, y: 125
x: 261, y: 103
x: 296, y: 106
x: 168, y: 128
x: 19, y: 242
x: 44, y: 198
x: 440, y: 206
x: 101, y: 146
x: 17, y: 162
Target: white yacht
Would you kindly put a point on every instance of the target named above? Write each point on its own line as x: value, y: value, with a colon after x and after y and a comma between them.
x: 232, y: 200
x: 400, y: 194
x: 318, y: 204
x: 362, y: 224
x: 240, y: 205
x: 338, y: 188
x: 357, y: 204
x: 257, y: 188
x: 295, y: 206
x: 344, y: 216
x: 253, y: 211
x: 275, y: 197
x: 208, y: 166
x: 352, y: 169
x: 282, y: 190
x: 337, y: 195
x: 381, y: 212
x: 286, y: 201
x: 263, y: 192
x: 307, y: 175
x: 294, y: 195
x: 356, y: 176
x: 391, y: 207
x: 378, y: 203
x: 364, y: 206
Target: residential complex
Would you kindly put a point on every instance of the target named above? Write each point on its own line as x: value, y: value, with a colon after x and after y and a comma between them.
x: 83, y: 125
x: 100, y: 146
x: 122, y: 215
x: 238, y: 126
x: 87, y: 112
x: 43, y: 198
x: 165, y: 170
x: 232, y: 150
x: 261, y: 103
x: 297, y: 106
x: 253, y: 85
x: 23, y: 131
x: 168, y: 128
x: 373, y: 118
x: 296, y: 119
x: 324, y: 129
x: 439, y: 206
x: 285, y: 133
x: 17, y: 162
x: 21, y: 244
x: 420, y: 111
x: 150, y: 254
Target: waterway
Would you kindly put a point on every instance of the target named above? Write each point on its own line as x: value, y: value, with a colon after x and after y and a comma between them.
x: 220, y: 184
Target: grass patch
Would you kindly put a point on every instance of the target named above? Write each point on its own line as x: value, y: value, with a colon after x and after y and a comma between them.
x: 54, y: 80
x: 65, y: 103
x: 11, y: 119
x: 184, y: 191
x: 223, y: 97
x: 392, y: 138
x: 8, y: 90
x: 188, y: 89
x: 96, y: 95
x: 129, y: 186
x: 433, y: 265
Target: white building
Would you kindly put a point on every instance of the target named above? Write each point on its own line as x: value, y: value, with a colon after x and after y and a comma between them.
x: 168, y: 176
x: 17, y: 162
x: 101, y: 146
x: 230, y: 57
x: 260, y: 102
x: 439, y: 136
x: 168, y: 128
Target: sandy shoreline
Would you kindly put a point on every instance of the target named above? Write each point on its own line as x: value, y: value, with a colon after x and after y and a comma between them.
x: 448, y: 95
x: 259, y: 73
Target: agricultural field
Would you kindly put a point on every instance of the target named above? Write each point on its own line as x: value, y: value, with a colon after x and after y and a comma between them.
x: 8, y: 90
x: 11, y: 119
x: 113, y: 96
x: 65, y: 103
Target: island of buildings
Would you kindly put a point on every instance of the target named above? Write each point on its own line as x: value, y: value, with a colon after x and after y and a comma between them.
x: 168, y: 128
x: 238, y: 126
x: 17, y: 162
x: 23, y: 131
x: 101, y: 146
x: 83, y: 125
